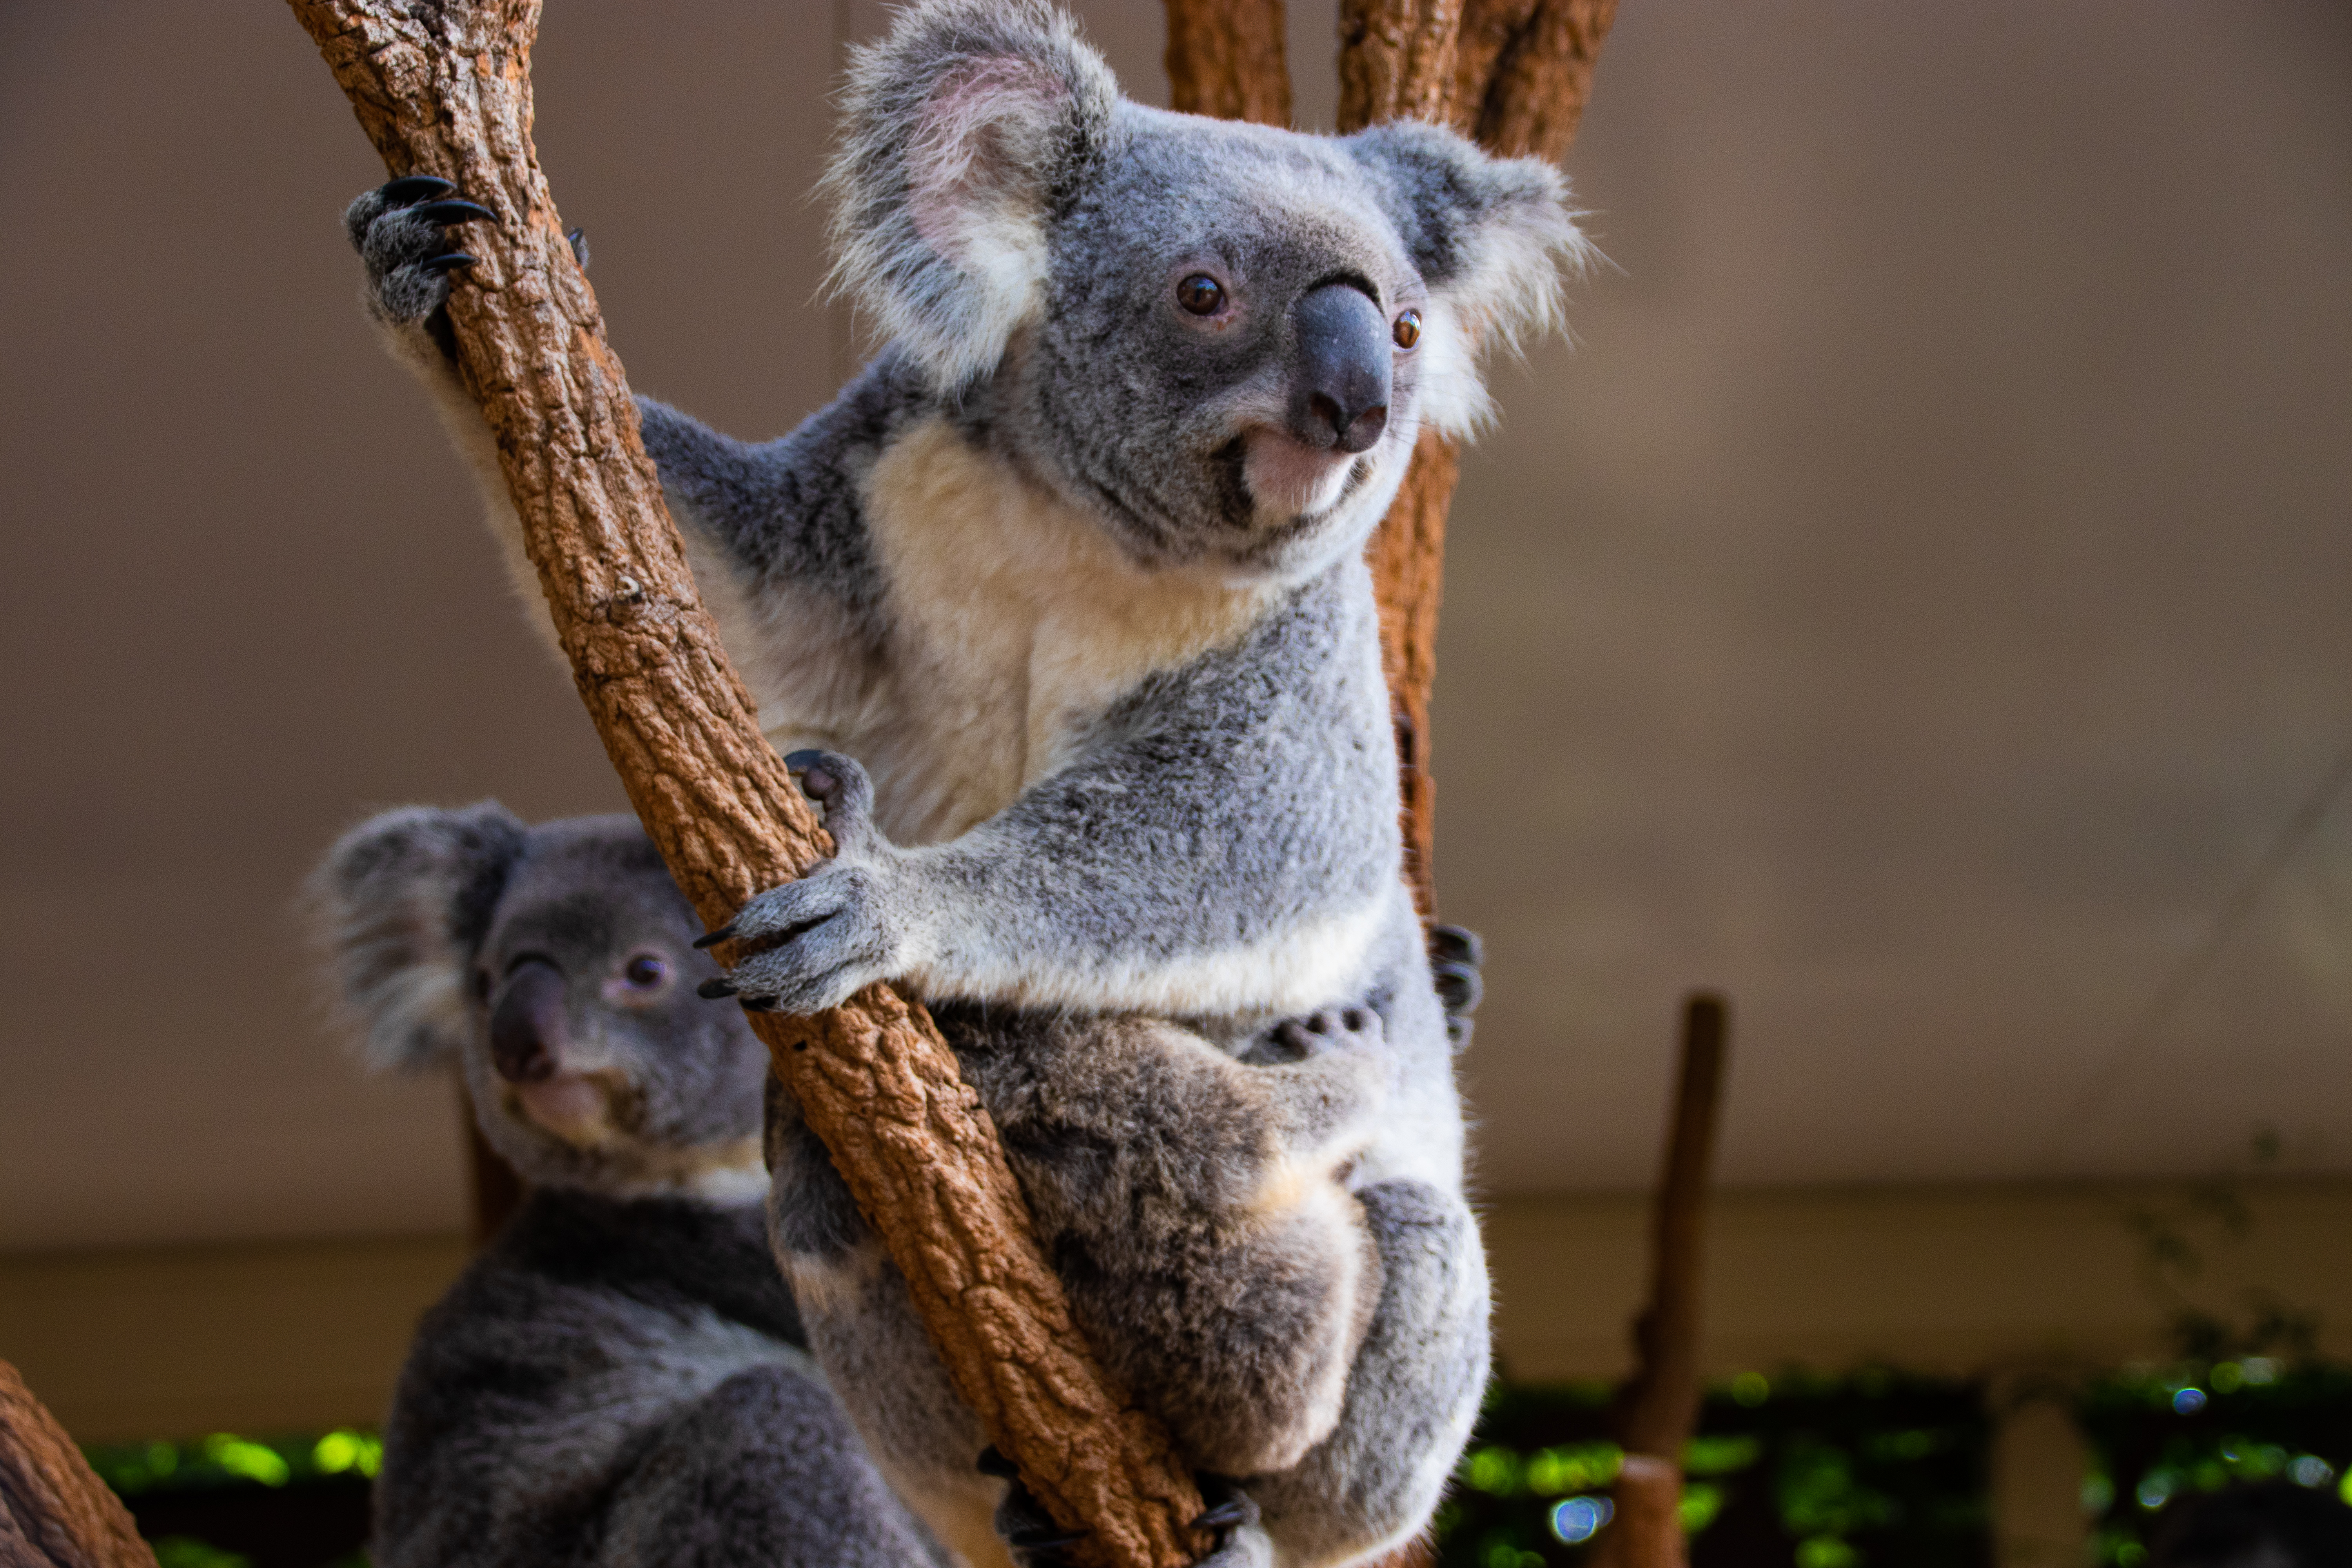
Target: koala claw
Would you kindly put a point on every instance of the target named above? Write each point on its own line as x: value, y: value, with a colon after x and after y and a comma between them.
x: 414, y: 188
x: 992, y: 1462
x: 449, y: 263
x: 1036, y: 1539
x: 705, y: 943
x: 1231, y: 1511
x: 458, y: 209
x: 717, y: 990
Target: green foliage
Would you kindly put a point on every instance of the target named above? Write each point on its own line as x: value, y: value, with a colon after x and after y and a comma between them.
x: 1877, y: 1467
x: 226, y: 1460
x: 2159, y: 1433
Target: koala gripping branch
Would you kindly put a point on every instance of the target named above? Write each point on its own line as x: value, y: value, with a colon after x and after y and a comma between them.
x: 445, y: 88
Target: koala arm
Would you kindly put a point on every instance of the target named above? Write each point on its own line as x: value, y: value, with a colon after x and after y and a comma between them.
x: 1227, y: 843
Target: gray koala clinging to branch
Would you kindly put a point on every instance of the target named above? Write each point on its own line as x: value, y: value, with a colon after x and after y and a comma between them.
x: 620, y: 1378
x: 1062, y: 606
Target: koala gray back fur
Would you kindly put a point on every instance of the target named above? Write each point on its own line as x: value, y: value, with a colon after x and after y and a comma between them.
x: 621, y: 1377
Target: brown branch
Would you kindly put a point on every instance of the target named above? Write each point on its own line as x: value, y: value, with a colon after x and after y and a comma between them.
x: 444, y: 90
x: 1523, y: 70
x: 1658, y: 1408
x: 1225, y: 58
x: 1528, y: 66
x: 54, y: 1511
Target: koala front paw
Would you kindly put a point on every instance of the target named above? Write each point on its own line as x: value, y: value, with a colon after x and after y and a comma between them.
x: 842, y: 927
x: 401, y: 231
x: 1230, y: 1519
x: 1329, y: 1029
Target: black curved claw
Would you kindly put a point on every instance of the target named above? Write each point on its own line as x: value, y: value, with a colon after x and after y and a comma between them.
x: 717, y: 990
x: 415, y: 188
x: 456, y: 210
x: 578, y: 239
x: 761, y: 1004
x: 1454, y: 944
x: 449, y: 263
x: 1227, y: 1514
x: 1047, y: 1539
x: 714, y: 938
x: 798, y: 761
x: 1458, y: 986
x: 992, y: 1462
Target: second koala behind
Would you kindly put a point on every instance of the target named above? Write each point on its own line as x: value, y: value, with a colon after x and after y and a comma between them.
x: 1066, y: 594
x: 619, y: 1378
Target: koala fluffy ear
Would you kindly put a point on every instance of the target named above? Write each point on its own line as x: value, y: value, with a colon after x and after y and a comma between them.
x: 1489, y: 237
x: 962, y: 132
x: 403, y: 902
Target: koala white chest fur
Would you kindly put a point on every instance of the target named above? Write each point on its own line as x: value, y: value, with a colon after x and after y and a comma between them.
x: 1065, y: 593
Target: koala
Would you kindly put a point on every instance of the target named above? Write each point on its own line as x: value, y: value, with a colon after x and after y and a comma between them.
x: 1061, y: 613
x: 621, y: 1377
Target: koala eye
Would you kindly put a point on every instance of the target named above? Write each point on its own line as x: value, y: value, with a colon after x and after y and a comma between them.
x: 1200, y: 294
x: 1408, y: 329
x: 644, y: 971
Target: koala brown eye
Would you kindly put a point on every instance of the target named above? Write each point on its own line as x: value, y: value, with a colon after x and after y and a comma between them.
x: 1200, y: 294
x: 1408, y: 329
x: 644, y: 971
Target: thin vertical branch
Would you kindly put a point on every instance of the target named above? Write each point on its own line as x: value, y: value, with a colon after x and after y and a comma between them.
x: 1658, y: 1409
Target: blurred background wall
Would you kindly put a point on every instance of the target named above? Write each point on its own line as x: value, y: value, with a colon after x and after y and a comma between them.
x: 1915, y: 605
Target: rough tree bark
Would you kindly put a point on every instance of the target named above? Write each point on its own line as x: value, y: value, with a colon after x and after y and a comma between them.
x: 1658, y: 1408
x: 1225, y: 58
x: 445, y: 88
x: 54, y: 1511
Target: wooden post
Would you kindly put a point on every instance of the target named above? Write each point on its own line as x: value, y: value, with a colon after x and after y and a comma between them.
x: 54, y: 1511
x: 444, y: 90
x: 1658, y: 1409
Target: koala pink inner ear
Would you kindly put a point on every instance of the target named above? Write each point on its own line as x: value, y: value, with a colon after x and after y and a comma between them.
x: 981, y: 146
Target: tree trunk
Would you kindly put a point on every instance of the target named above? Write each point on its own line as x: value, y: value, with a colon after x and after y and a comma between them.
x: 445, y: 88
x: 1657, y: 1410
x: 1513, y: 74
x: 1225, y: 58
x: 54, y: 1511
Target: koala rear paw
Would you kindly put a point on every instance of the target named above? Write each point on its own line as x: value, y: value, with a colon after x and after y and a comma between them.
x: 401, y: 231
x: 1230, y: 1519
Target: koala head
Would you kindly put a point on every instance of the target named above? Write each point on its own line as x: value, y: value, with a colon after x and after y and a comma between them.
x: 554, y: 967
x: 1219, y: 339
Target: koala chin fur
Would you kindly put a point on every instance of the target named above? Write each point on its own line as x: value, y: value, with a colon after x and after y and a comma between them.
x: 1068, y: 583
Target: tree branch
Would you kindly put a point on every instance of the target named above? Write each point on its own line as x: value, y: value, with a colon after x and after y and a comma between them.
x: 1225, y: 58
x: 1527, y: 65
x: 54, y: 1511
x: 445, y: 88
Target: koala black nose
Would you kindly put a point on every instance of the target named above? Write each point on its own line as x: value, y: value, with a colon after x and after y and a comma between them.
x: 1340, y: 392
x: 526, y: 1025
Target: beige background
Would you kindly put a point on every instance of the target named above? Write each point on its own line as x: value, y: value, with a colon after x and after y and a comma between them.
x: 1916, y: 606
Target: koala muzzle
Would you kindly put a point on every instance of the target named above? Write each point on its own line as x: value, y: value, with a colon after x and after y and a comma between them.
x: 1339, y: 386
x: 526, y: 1025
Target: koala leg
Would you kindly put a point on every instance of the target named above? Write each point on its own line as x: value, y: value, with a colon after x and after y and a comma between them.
x: 764, y: 1469
x: 1413, y: 1392
x: 1195, y: 1207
